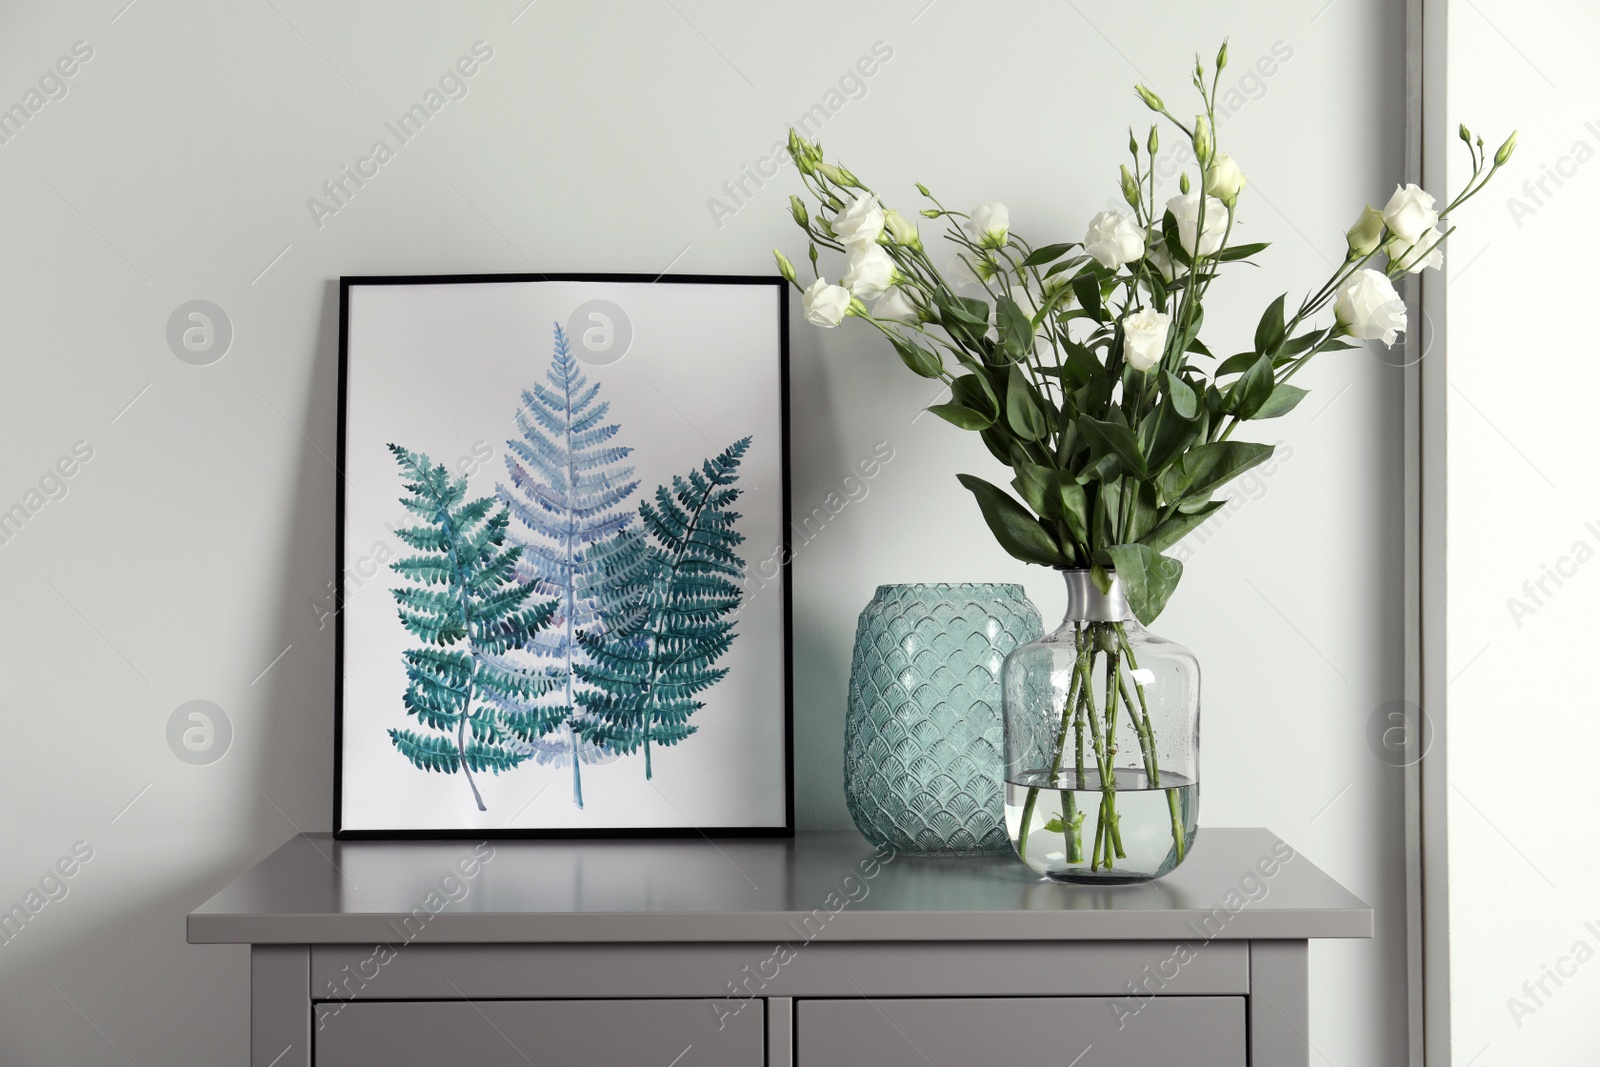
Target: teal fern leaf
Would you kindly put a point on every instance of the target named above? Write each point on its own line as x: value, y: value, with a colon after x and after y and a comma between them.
x: 468, y: 609
x: 679, y: 587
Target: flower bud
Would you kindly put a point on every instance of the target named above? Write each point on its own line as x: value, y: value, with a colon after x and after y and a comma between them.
x: 931, y: 213
x: 1154, y: 143
x: 1183, y: 184
x: 1503, y: 153
x: 836, y: 175
x: 900, y: 230
x: 797, y: 208
x: 1130, y: 188
x: 923, y: 189
x: 1133, y: 144
x: 800, y: 152
x: 1222, y: 55
x: 1465, y: 134
x: 1202, y: 139
x: 785, y: 268
x: 1151, y: 100
x: 1365, y: 236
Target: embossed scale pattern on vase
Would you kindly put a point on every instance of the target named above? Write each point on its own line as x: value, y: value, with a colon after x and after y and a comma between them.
x: 924, y: 755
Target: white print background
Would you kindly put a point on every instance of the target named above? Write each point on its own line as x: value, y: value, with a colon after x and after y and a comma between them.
x: 436, y: 368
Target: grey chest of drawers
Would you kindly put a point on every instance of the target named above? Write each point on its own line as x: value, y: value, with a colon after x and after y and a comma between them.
x: 811, y: 952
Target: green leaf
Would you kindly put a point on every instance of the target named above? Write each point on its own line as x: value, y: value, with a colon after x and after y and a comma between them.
x: 1148, y: 578
x: 1283, y: 400
x: 1169, y: 234
x: 1086, y: 287
x: 1269, y: 331
x: 1205, y: 468
x: 1296, y: 345
x: 1022, y: 408
x: 1066, y: 264
x: 1184, y: 402
x: 1075, y: 508
x: 1014, y: 327
x: 919, y: 359
x: 1054, y: 826
x: 1018, y: 532
x: 1038, y: 487
x: 1048, y: 253
x: 1163, y: 435
x: 1081, y: 365
x: 1174, y: 529
x: 964, y: 417
x: 1237, y: 364
x: 1113, y: 438
x: 1245, y: 396
x: 1233, y: 252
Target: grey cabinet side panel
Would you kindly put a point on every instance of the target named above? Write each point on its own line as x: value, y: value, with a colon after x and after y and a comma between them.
x: 1279, y: 1004
x: 280, y: 1006
x: 780, y: 1032
x: 511, y: 1033
x: 740, y: 975
x: 1103, y: 1031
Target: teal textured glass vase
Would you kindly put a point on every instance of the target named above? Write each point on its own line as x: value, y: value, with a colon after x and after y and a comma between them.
x: 924, y: 752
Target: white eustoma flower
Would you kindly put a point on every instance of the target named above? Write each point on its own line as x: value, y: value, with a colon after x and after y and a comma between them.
x: 896, y: 306
x: 1144, y: 338
x: 860, y: 222
x: 1410, y: 212
x: 1114, y: 239
x: 1224, y: 179
x: 1368, y: 308
x: 869, y: 272
x: 1186, y: 209
x: 1413, y: 257
x: 989, y: 223
x: 824, y: 304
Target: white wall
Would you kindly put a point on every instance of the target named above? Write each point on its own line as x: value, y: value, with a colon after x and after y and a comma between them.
x: 190, y: 551
x: 1523, y: 505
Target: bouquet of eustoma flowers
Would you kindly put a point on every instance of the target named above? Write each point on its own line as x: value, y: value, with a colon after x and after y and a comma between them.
x: 1081, y: 364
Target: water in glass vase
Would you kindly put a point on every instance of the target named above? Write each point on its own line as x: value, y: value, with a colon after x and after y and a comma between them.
x: 1070, y: 830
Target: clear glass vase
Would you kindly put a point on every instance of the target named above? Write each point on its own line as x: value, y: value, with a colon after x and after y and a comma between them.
x: 924, y: 759
x: 1102, y: 731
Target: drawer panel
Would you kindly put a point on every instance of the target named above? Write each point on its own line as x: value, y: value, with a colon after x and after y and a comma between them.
x: 550, y: 1033
x: 1058, y: 1031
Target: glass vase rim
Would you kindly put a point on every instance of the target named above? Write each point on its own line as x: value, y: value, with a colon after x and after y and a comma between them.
x: 1014, y: 587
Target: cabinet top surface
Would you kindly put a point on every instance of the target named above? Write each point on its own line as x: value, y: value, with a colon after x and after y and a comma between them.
x: 1237, y: 884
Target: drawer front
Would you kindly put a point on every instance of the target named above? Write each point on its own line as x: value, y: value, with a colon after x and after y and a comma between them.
x: 550, y: 1033
x: 1054, y: 1031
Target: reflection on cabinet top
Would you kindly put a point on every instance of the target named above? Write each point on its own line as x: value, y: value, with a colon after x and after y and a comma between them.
x: 1238, y: 883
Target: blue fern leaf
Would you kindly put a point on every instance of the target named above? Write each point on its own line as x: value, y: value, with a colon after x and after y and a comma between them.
x: 565, y: 491
x: 668, y: 613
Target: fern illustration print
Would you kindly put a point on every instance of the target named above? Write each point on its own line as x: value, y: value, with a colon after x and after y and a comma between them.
x: 679, y: 587
x: 465, y: 603
x: 568, y: 485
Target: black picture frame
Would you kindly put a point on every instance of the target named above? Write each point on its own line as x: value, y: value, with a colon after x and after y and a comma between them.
x: 343, y: 833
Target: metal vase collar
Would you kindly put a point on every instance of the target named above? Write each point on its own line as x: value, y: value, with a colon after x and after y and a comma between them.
x: 1086, y: 603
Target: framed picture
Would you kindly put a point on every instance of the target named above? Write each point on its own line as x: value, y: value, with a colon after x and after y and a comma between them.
x: 563, y: 592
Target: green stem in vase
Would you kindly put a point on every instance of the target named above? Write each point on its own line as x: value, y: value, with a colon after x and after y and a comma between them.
x: 1055, y: 770
x: 1147, y: 742
x: 1091, y: 715
x: 1108, y: 778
